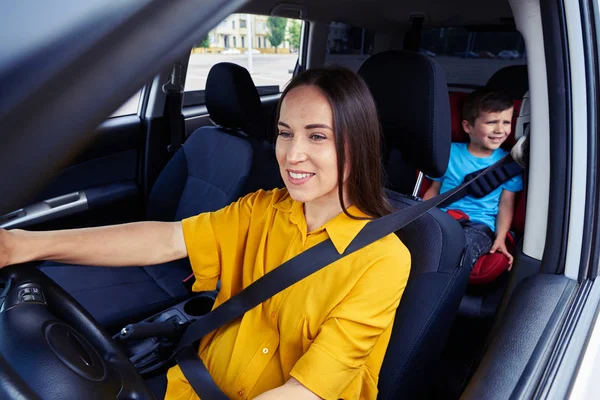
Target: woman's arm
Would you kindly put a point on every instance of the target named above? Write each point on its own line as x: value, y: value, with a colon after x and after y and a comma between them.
x: 291, y: 390
x: 433, y: 190
x: 135, y: 244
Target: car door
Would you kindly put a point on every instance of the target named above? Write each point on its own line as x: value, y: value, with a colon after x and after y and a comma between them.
x: 43, y: 127
x: 99, y: 186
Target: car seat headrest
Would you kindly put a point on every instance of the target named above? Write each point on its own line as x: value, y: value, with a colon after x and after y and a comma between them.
x: 233, y: 102
x: 512, y: 79
x: 411, y: 94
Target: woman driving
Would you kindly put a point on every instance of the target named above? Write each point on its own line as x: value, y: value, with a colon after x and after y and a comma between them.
x: 324, y: 337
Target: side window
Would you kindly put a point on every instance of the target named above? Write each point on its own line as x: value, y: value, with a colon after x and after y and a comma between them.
x: 267, y: 46
x: 348, y: 46
x: 471, y: 57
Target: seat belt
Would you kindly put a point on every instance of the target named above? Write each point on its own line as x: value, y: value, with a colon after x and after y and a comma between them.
x: 483, y: 187
x: 292, y: 271
x: 174, y: 91
x: 412, y: 38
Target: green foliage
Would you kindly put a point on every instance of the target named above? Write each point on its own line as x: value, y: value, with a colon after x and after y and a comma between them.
x: 205, y: 43
x: 276, y: 33
x: 294, y: 30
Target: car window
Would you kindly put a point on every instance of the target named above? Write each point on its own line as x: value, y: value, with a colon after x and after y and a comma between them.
x: 348, y: 46
x: 265, y: 45
x: 470, y: 57
x: 129, y: 107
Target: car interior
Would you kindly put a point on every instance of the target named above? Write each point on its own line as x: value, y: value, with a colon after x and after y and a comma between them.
x: 491, y: 333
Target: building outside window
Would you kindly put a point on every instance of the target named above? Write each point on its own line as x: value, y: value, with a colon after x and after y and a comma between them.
x: 225, y: 34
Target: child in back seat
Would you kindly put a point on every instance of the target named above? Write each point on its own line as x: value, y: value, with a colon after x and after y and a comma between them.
x: 487, y: 117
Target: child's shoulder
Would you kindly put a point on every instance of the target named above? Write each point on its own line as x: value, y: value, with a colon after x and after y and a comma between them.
x: 458, y: 145
x: 457, y: 148
x: 499, y: 153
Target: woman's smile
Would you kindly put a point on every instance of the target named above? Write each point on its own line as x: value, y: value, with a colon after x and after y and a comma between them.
x: 296, y: 177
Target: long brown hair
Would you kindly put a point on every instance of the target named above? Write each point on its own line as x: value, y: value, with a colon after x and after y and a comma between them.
x: 357, y: 133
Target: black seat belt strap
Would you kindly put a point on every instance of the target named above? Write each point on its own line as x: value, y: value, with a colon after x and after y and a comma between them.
x: 197, y: 375
x: 294, y: 270
x: 491, y: 182
x: 174, y: 91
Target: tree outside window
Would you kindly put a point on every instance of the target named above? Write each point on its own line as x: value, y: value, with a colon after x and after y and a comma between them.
x: 205, y: 43
x: 276, y: 33
x: 294, y: 30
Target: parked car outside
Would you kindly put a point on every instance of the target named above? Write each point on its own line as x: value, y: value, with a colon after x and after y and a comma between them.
x: 231, y: 52
x: 508, y: 55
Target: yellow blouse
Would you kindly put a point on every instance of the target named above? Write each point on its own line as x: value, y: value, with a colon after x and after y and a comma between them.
x: 329, y: 331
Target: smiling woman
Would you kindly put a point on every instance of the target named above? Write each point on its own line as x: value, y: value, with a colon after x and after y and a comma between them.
x: 332, y: 148
x: 327, y: 148
x: 328, y: 152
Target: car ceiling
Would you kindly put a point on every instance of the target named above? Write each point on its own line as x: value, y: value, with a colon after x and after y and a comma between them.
x: 392, y: 15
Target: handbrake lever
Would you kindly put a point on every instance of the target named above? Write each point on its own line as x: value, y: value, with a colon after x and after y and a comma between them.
x: 145, y: 330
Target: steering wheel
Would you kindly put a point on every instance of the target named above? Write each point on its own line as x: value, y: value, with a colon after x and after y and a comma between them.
x: 52, y: 348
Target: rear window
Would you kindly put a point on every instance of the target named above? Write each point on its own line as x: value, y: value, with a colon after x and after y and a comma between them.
x: 348, y: 46
x: 471, y: 57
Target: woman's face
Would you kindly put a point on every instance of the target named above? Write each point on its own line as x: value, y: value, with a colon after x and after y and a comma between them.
x: 305, y: 146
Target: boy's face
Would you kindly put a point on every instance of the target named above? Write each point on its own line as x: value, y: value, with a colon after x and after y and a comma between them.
x: 490, y: 129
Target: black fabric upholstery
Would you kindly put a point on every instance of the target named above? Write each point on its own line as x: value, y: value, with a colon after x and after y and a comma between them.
x: 435, y: 240
x: 233, y: 101
x: 400, y: 175
x: 411, y: 94
x: 214, y: 168
x: 432, y: 296
x: 166, y: 192
x: 412, y: 99
x: 116, y: 296
x: 512, y: 79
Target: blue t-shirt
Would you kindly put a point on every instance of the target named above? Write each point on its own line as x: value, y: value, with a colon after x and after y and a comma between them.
x: 461, y: 164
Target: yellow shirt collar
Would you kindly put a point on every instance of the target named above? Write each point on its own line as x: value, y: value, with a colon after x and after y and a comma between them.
x: 341, y: 229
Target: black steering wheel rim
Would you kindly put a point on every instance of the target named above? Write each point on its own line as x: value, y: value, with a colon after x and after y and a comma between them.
x: 55, y: 349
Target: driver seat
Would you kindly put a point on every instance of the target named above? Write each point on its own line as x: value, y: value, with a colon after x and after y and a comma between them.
x: 215, y: 166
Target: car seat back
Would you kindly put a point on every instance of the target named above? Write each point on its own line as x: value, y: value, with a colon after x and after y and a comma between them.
x: 411, y: 96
